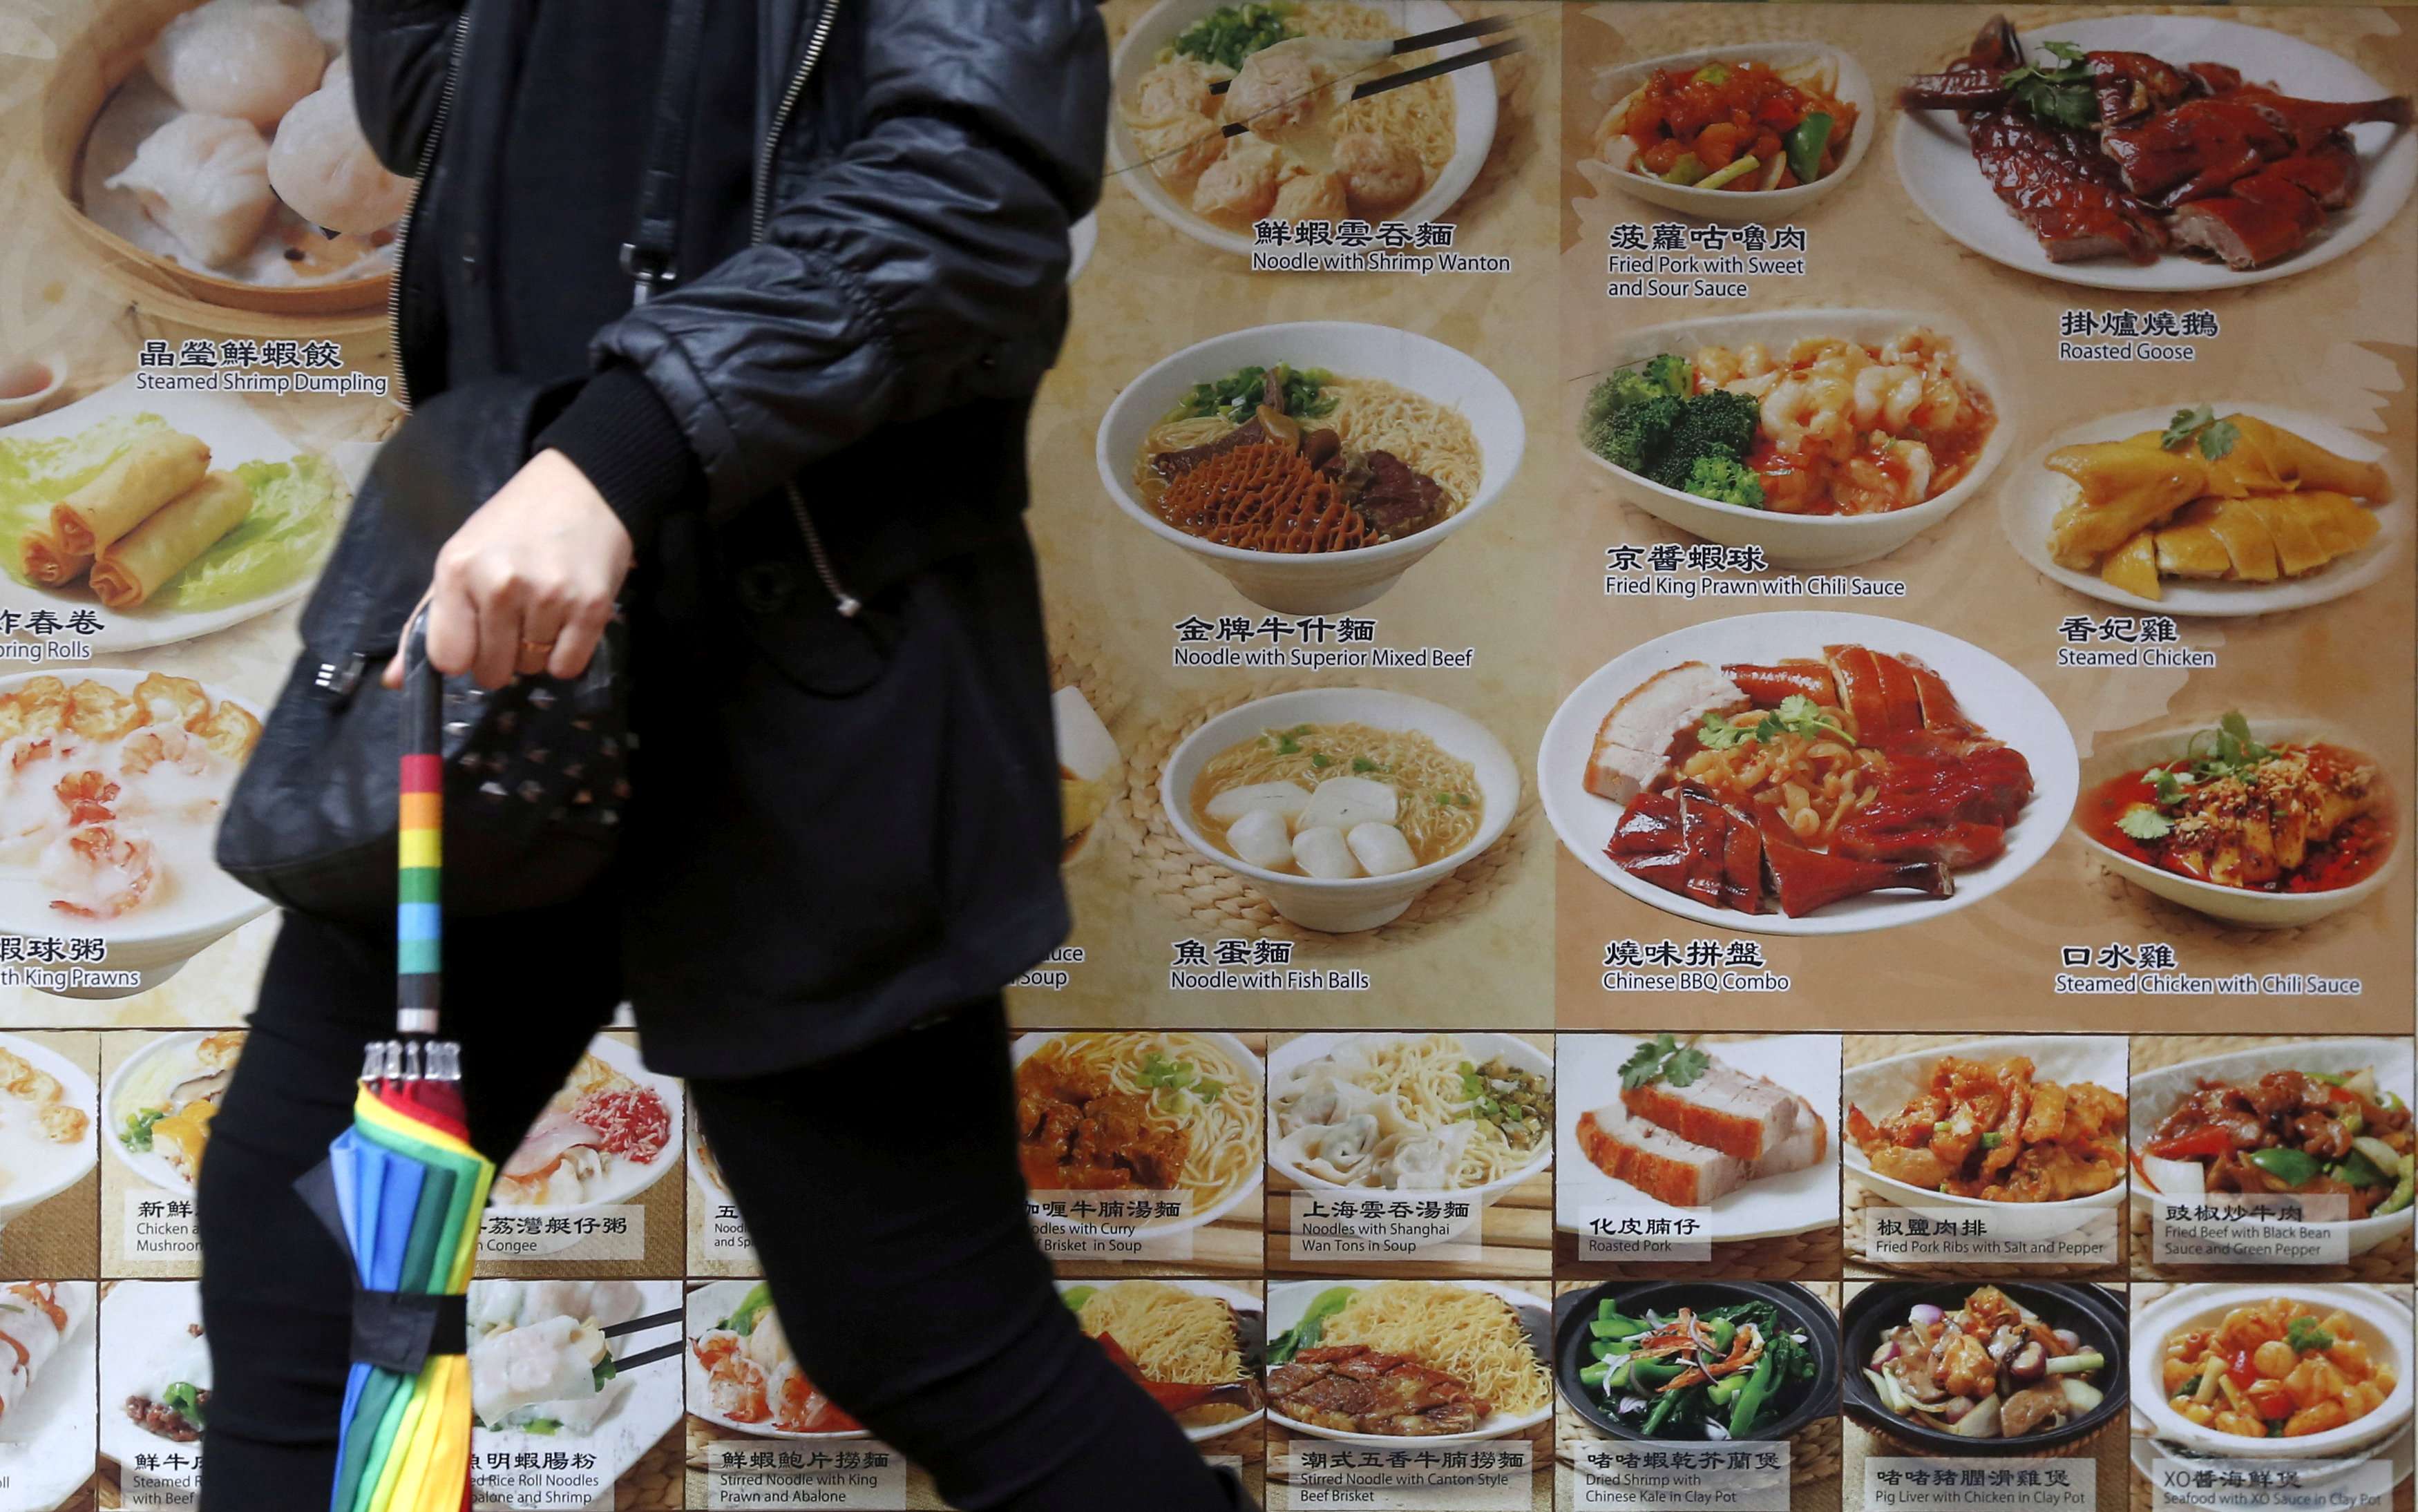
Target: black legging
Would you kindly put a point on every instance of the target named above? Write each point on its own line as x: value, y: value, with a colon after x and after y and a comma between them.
x: 880, y: 1188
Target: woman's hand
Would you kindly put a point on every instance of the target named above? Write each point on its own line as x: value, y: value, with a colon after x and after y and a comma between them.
x: 527, y: 584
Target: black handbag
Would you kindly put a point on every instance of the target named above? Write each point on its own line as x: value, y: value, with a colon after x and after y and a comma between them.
x: 536, y: 772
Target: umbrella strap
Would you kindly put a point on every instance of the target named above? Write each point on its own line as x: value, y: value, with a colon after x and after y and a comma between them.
x: 418, y: 926
x: 400, y: 1331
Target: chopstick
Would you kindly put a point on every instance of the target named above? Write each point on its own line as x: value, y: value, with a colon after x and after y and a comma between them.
x: 661, y: 1351
x: 639, y: 1325
x: 1482, y: 26
x: 1411, y: 76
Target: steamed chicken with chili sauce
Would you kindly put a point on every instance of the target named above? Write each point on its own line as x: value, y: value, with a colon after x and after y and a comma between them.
x: 1802, y: 783
x: 2275, y: 1369
x: 2295, y: 1132
x: 1989, y: 1131
x: 2235, y: 812
x: 1991, y: 1369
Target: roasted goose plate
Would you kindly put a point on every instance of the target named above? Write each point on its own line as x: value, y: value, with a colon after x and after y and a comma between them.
x: 1936, y: 162
x: 2031, y: 495
x: 1979, y: 852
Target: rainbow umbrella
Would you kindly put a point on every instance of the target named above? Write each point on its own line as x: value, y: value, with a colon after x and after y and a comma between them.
x: 402, y: 1189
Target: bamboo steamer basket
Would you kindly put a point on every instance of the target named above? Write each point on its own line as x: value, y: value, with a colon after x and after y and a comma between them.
x: 90, y: 67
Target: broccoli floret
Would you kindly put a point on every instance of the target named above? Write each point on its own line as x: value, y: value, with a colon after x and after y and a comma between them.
x: 1726, y: 479
x: 1716, y: 424
x: 1675, y: 372
x: 1632, y: 435
x: 1601, y: 400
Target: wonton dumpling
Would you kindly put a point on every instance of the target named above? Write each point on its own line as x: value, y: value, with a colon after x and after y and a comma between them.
x: 205, y: 180
x: 1240, y: 186
x: 322, y: 165
x: 1337, y: 1153
x: 251, y: 59
x: 1311, y: 197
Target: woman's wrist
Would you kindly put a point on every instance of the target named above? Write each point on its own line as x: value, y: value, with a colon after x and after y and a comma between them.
x: 623, y: 438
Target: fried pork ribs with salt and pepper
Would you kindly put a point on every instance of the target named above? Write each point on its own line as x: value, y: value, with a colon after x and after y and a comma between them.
x: 2114, y: 154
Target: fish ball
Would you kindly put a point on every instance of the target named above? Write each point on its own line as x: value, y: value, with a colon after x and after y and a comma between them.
x: 1285, y: 798
x: 1381, y: 849
x: 1324, y: 853
x: 1345, y: 801
x: 1262, y: 838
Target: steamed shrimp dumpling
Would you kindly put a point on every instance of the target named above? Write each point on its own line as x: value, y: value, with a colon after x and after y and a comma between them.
x: 204, y: 180
x: 322, y: 165
x: 251, y: 59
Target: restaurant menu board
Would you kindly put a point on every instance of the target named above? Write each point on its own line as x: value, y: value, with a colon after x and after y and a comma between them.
x: 1734, y: 699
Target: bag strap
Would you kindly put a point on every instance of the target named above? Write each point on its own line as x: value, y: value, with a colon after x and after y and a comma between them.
x: 419, y: 926
x: 652, y: 252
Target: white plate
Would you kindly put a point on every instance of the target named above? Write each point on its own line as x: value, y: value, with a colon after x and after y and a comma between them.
x: 2156, y: 1093
x: 1245, y: 1304
x: 708, y: 1306
x: 1799, y: 1202
x: 1482, y: 1048
x: 1937, y: 165
x: 1813, y: 540
x: 1993, y: 695
x: 1323, y: 582
x: 648, y: 1408
x: 76, y: 1091
x: 1473, y: 110
x: 48, y: 1442
x: 1241, y: 1055
x: 149, y: 1166
x: 1884, y: 1087
x: 235, y: 434
x: 1289, y: 1300
x: 1765, y: 206
x: 2253, y: 906
x: 2032, y: 498
x: 144, y: 1324
x: 628, y: 1178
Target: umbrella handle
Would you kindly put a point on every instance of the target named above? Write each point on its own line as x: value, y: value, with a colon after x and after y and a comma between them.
x: 419, y: 930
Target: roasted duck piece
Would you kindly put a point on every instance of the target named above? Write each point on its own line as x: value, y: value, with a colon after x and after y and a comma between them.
x: 1805, y: 881
x: 1881, y: 694
x: 2058, y: 183
x: 1354, y: 1389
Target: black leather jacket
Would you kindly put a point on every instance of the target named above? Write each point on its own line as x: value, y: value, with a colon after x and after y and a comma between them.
x: 919, y: 164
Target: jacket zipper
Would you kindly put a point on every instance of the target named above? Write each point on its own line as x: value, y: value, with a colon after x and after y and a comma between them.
x: 759, y: 221
x: 412, y: 201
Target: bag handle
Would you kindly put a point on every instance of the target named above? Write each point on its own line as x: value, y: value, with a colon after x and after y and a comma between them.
x: 419, y: 927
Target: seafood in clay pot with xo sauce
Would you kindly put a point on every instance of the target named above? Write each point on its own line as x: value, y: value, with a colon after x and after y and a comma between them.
x: 2119, y: 154
x: 1803, y: 784
x: 2276, y: 1370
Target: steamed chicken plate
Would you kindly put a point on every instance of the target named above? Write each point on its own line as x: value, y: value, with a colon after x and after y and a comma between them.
x: 1991, y: 1131
x: 256, y: 165
x: 1991, y: 1369
x: 1297, y: 460
x: 1824, y: 426
x: 2118, y: 153
x: 2282, y: 1368
x: 1338, y: 801
x: 1731, y: 124
x: 2233, y: 811
x: 2290, y: 1133
x: 597, y: 1126
x: 2229, y: 498
x: 1689, y: 1128
x: 1802, y: 783
x: 1284, y: 72
x: 109, y: 798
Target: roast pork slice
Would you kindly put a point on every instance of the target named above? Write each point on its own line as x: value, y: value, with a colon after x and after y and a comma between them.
x: 1655, y: 1161
x: 1738, y: 1114
x: 1632, y: 745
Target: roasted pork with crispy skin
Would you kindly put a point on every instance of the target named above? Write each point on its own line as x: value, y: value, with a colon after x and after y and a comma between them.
x: 1351, y: 1388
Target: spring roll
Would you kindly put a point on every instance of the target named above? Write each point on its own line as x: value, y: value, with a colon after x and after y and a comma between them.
x: 139, y: 563
x: 46, y: 559
x: 147, y: 474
